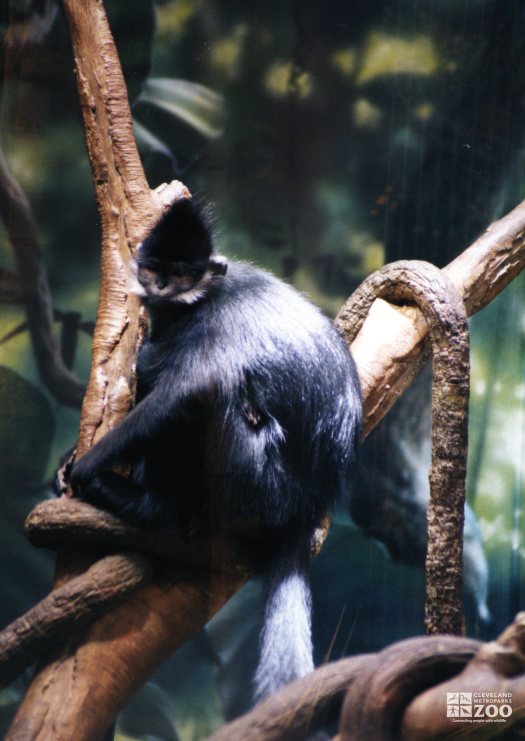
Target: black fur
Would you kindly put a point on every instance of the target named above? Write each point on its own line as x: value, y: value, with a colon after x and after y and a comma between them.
x: 248, y: 397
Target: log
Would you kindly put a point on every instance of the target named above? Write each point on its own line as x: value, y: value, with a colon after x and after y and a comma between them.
x: 297, y: 709
x: 374, y: 705
x: 498, y: 667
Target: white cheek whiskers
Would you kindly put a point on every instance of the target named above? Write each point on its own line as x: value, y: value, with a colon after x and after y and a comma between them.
x: 198, y: 291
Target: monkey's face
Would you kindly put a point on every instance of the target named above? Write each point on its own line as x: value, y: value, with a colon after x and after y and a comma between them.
x: 167, y: 281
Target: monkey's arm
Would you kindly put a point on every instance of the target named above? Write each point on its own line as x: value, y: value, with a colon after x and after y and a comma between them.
x: 147, y: 421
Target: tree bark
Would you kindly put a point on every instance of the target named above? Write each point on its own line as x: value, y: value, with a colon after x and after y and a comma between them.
x: 74, y: 605
x: 497, y: 667
x: 127, y: 210
x: 375, y: 701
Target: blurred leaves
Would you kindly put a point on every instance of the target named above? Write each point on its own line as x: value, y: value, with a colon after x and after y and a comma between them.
x: 149, y: 143
x: 10, y: 290
x: 23, y: 458
x: 195, y: 104
x: 386, y: 55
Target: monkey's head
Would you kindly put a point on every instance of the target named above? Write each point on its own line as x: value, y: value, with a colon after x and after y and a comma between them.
x: 176, y: 262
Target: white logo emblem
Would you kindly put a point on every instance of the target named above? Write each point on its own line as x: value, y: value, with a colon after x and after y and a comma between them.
x: 479, y: 707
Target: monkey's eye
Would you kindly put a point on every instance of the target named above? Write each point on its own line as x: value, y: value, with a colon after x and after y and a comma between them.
x: 145, y: 274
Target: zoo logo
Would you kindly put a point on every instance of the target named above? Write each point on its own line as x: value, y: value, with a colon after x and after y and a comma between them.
x: 479, y: 707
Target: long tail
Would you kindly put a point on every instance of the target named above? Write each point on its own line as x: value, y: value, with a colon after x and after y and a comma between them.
x: 286, y: 637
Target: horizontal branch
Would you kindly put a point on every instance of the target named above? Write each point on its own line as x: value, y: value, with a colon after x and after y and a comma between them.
x: 68, y: 523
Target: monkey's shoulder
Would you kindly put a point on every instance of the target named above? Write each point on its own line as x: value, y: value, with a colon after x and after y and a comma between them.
x: 268, y: 303
x: 250, y: 323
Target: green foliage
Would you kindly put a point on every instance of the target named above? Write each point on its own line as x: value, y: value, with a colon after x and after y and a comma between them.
x: 194, y: 104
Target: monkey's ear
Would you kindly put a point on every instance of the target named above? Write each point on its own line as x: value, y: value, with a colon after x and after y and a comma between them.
x: 218, y: 264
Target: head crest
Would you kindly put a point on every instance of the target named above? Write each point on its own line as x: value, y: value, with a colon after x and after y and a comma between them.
x: 183, y: 234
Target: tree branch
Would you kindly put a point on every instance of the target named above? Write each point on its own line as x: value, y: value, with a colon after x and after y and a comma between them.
x: 444, y: 312
x: 69, y: 608
x: 392, y: 345
x: 128, y: 210
x: 497, y: 667
x: 294, y: 711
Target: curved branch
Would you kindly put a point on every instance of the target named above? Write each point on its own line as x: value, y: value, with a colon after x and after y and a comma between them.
x: 498, y: 666
x: 376, y: 688
x: 297, y: 709
x: 374, y: 704
x: 69, y: 523
x: 445, y: 316
x: 392, y: 345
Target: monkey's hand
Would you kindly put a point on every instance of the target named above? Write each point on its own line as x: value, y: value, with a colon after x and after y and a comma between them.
x: 112, y: 492
x: 62, y: 476
x: 82, y: 471
x: 102, y: 457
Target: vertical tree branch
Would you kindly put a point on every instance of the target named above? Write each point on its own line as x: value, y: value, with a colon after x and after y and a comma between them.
x: 127, y: 211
